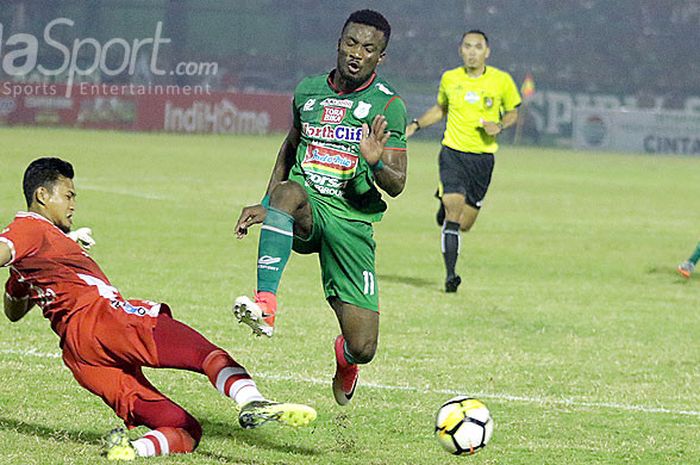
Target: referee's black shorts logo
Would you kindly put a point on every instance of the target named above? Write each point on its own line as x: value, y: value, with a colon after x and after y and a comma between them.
x: 466, y: 173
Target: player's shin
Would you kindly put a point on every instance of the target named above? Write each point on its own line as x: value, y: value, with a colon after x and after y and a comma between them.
x: 450, y: 246
x: 274, y: 249
x: 696, y: 256
x: 230, y: 379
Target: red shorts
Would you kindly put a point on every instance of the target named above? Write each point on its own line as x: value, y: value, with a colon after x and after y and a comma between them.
x: 105, y: 349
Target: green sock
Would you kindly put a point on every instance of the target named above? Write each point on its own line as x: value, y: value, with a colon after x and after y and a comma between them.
x: 696, y: 256
x: 274, y: 249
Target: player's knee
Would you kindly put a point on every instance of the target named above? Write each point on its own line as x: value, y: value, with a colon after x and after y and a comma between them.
x: 362, y: 350
x: 287, y: 196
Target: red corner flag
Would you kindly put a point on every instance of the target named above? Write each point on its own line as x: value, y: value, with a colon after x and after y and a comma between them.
x: 528, y: 88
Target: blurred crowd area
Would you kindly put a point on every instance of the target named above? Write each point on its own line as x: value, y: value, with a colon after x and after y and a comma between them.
x: 644, y: 48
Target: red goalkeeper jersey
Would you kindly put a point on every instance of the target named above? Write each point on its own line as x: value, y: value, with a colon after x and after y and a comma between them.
x: 63, y: 278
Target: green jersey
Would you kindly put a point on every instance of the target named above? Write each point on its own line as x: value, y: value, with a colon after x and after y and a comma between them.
x: 328, y: 161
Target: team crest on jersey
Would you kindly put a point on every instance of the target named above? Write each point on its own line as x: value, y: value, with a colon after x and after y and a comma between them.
x: 362, y: 110
x: 472, y: 97
x: 384, y: 89
x: 488, y: 102
x: 333, y: 115
x: 335, y: 102
x: 329, y: 162
x: 309, y: 105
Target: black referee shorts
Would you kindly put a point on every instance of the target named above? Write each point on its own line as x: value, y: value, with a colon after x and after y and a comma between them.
x: 466, y: 173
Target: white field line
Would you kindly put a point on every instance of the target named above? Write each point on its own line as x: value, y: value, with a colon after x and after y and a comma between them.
x: 127, y: 192
x: 544, y: 401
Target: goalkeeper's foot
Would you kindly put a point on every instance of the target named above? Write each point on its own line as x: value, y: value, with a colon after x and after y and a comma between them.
x: 686, y: 268
x: 259, y: 412
x: 118, y: 446
x: 258, y: 314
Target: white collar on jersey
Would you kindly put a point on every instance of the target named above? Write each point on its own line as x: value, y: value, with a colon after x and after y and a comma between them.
x: 36, y: 216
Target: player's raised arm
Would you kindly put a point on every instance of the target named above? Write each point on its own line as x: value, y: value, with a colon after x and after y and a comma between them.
x: 432, y: 115
x: 255, y: 214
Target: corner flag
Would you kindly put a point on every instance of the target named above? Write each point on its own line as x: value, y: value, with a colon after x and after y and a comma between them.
x: 528, y: 88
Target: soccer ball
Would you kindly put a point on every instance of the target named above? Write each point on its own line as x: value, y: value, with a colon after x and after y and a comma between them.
x: 463, y: 425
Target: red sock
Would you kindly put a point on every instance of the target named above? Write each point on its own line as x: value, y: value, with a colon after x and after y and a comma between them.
x: 180, y: 346
x: 174, y: 430
x: 164, y: 441
x: 229, y: 378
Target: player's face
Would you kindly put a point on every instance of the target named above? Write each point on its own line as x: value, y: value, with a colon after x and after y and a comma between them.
x: 360, y: 50
x: 474, y: 51
x: 60, y: 205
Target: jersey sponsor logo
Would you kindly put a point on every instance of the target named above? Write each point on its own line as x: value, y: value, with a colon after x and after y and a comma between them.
x: 384, y: 89
x: 333, y: 133
x: 335, y: 102
x: 325, y: 185
x: 333, y: 115
x: 472, y: 97
x: 362, y: 109
x: 329, y: 162
x: 137, y: 310
x: 309, y: 105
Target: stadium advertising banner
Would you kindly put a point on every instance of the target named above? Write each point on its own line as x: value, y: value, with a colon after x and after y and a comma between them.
x: 653, y: 132
x: 87, y: 106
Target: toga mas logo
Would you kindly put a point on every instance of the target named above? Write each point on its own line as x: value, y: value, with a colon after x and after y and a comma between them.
x: 329, y: 162
x: 333, y: 115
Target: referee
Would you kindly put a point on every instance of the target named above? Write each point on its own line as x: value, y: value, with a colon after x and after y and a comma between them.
x: 479, y: 102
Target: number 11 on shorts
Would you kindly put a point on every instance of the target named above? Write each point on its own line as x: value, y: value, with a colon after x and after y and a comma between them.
x: 369, y: 282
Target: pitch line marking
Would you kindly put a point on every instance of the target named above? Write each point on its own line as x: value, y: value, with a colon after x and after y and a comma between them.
x: 128, y: 192
x: 482, y: 395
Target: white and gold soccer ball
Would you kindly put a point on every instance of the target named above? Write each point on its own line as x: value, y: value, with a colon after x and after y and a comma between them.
x: 463, y: 425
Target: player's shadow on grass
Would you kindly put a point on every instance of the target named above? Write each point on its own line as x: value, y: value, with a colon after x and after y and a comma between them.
x: 408, y: 280
x: 31, y: 429
x: 261, y: 438
x: 226, y: 430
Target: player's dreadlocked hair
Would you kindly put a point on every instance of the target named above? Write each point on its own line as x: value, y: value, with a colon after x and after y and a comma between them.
x: 371, y: 18
x: 44, y: 172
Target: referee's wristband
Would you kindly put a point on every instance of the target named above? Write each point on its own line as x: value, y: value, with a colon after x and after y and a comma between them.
x: 415, y: 121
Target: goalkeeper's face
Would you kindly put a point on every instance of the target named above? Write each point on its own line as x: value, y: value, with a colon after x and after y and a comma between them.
x: 360, y: 50
x: 57, y: 204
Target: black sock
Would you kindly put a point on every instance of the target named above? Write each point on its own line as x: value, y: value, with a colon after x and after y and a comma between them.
x: 450, y: 246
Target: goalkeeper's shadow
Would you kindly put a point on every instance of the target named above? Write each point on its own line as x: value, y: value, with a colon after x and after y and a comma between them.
x: 263, y: 437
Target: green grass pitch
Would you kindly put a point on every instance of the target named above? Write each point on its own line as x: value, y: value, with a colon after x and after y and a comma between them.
x: 571, y: 323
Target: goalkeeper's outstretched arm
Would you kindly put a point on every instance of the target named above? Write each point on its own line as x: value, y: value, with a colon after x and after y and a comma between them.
x: 16, y: 306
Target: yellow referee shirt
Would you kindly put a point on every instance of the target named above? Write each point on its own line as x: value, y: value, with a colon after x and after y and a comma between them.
x: 469, y: 100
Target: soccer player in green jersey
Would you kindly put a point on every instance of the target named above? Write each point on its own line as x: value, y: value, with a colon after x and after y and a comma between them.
x: 346, y: 141
x: 479, y: 102
x: 687, y: 268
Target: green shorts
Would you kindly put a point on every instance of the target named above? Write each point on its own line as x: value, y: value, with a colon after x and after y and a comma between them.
x: 346, y: 252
